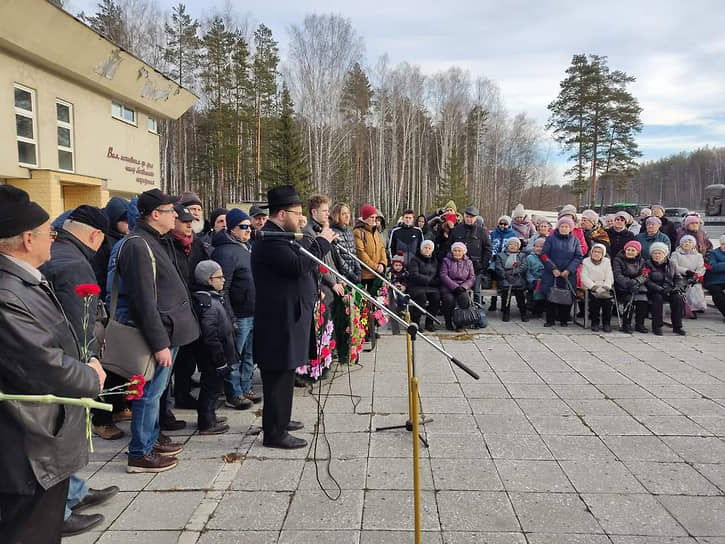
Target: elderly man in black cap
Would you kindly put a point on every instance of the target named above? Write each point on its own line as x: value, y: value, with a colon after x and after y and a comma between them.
x: 283, y: 329
x: 43, y: 443
x: 70, y: 264
x: 153, y: 297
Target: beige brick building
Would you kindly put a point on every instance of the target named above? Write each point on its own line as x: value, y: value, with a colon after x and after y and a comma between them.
x: 78, y: 115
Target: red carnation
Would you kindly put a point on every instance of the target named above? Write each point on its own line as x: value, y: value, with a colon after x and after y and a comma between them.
x: 544, y: 257
x: 324, y: 352
x: 323, y: 269
x: 135, y: 387
x: 708, y: 266
x: 87, y: 289
x: 332, y: 344
x: 516, y: 263
x: 646, y: 271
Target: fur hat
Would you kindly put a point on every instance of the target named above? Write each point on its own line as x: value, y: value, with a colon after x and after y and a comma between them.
x: 591, y: 215
x: 514, y: 241
x: 569, y: 209
x: 624, y: 215
x: 519, y: 211
x: 635, y: 244
x: 659, y: 246
x: 600, y: 246
x: 505, y: 218
x: 459, y: 245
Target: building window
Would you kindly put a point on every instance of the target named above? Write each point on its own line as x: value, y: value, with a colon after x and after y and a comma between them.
x: 26, y: 126
x: 64, y: 116
x: 123, y: 113
x: 152, y: 125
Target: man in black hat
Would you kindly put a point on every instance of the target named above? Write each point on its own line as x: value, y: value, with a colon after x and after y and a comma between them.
x: 153, y: 297
x: 43, y: 443
x: 286, y: 293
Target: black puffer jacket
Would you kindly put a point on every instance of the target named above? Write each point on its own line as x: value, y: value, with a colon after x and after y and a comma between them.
x: 43, y: 443
x: 70, y: 265
x: 662, y: 277
x: 423, y: 275
x: 217, y: 330
x: 164, y: 314
x: 344, y: 261
x: 628, y: 277
x: 405, y: 239
x: 235, y: 258
x: 617, y: 239
x: 513, y: 276
x: 478, y: 244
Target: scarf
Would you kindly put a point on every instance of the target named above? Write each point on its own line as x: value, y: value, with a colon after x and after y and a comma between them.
x: 185, y: 241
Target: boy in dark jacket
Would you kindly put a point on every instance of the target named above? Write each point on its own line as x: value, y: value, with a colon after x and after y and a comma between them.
x: 217, y: 333
x: 510, y: 266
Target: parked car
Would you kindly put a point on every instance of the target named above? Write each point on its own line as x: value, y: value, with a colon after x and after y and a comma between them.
x: 676, y: 215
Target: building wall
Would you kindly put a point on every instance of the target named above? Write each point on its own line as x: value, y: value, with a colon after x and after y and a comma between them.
x: 126, y: 157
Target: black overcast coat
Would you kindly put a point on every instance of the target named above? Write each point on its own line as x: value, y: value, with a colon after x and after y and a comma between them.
x: 286, y: 296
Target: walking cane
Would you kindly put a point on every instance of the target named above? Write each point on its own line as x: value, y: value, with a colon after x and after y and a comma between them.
x: 616, y: 306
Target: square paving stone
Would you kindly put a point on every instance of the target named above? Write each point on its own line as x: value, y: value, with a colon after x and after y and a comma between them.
x: 563, y: 378
x: 641, y: 448
x: 673, y: 426
x: 347, y: 473
x: 715, y: 473
x: 248, y: 537
x: 701, y: 516
x: 476, y: 511
x: 519, y: 446
x: 625, y: 391
x: 568, y: 391
x: 601, y: 477
x: 714, y: 424
x: 189, y: 475
x: 445, y: 405
x: 530, y: 391
x: 456, y: 446
x: 654, y: 540
x: 578, y: 447
x: 526, y: 476
x: 632, y: 515
x: 345, y: 446
x: 553, y: 512
x: 391, y: 444
x: 124, y: 537
x: 495, y: 407
x: 392, y: 510
x: 152, y: 510
x: 318, y: 537
x: 114, y: 473
x: 268, y: 475
x: 542, y: 538
x: 399, y: 537
x: 596, y: 407
x: 250, y: 510
x: 485, y: 391
x: 504, y: 424
x: 560, y: 425
x: 466, y: 474
x: 346, y: 423
x: 647, y: 407
x: 311, y: 510
x: 616, y: 425
x: 695, y: 449
x: 390, y: 405
x: 483, y: 538
x: 544, y: 407
x: 393, y: 473
x: 671, y: 478
x: 453, y: 423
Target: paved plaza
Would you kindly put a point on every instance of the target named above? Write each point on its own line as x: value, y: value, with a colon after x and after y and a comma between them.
x: 568, y: 437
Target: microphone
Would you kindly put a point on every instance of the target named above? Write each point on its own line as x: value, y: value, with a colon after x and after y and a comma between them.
x: 262, y: 234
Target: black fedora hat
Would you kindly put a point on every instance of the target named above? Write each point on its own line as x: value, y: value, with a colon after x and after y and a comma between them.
x: 279, y: 197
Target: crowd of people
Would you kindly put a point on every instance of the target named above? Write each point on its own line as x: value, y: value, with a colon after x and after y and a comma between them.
x: 229, y: 292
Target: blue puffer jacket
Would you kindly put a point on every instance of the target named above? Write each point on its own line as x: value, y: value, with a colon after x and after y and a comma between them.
x: 563, y: 253
x: 498, y: 241
x: 646, y: 240
x: 715, y: 275
x: 534, y: 269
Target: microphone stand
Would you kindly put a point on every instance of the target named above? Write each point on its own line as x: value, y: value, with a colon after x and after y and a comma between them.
x: 388, y: 283
x: 412, y: 335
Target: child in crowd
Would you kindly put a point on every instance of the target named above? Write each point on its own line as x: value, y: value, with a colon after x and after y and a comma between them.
x: 217, y: 333
x: 398, y: 275
x: 662, y: 287
x: 598, y: 279
x: 510, y: 266
x: 534, y: 275
x: 690, y: 265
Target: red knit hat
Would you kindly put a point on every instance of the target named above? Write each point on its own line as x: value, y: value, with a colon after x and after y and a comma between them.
x: 635, y: 244
x: 367, y: 210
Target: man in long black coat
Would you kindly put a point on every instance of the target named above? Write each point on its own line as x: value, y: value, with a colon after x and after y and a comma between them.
x: 286, y: 294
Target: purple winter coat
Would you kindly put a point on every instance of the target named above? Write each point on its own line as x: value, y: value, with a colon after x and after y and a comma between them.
x: 456, y: 273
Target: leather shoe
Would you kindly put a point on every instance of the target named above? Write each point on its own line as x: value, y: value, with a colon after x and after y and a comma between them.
x: 172, y: 424
x: 295, y: 425
x: 95, y: 496
x: 78, y: 523
x: 289, y: 442
x: 217, y: 428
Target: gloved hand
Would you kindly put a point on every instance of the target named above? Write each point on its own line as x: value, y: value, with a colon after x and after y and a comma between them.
x: 458, y: 290
x: 634, y: 287
x: 689, y: 273
x: 223, y: 370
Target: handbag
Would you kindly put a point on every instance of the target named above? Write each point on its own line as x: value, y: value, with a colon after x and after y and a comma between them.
x: 466, y: 317
x: 125, y: 350
x: 560, y: 295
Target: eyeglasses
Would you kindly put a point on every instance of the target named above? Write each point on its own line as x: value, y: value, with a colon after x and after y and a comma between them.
x: 165, y: 211
x: 504, y: 224
x: 294, y: 212
x: 52, y: 234
x: 243, y: 227
x: 217, y: 278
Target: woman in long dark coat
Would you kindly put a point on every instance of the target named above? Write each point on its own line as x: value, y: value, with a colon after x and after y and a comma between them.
x: 562, y: 255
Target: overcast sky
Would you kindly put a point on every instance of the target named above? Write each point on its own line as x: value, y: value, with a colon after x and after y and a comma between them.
x: 675, y: 49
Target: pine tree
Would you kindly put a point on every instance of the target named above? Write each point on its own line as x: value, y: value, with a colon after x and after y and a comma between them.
x: 242, y: 99
x: 453, y: 184
x: 264, y: 77
x: 355, y: 105
x: 287, y: 164
x: 109, y: 21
